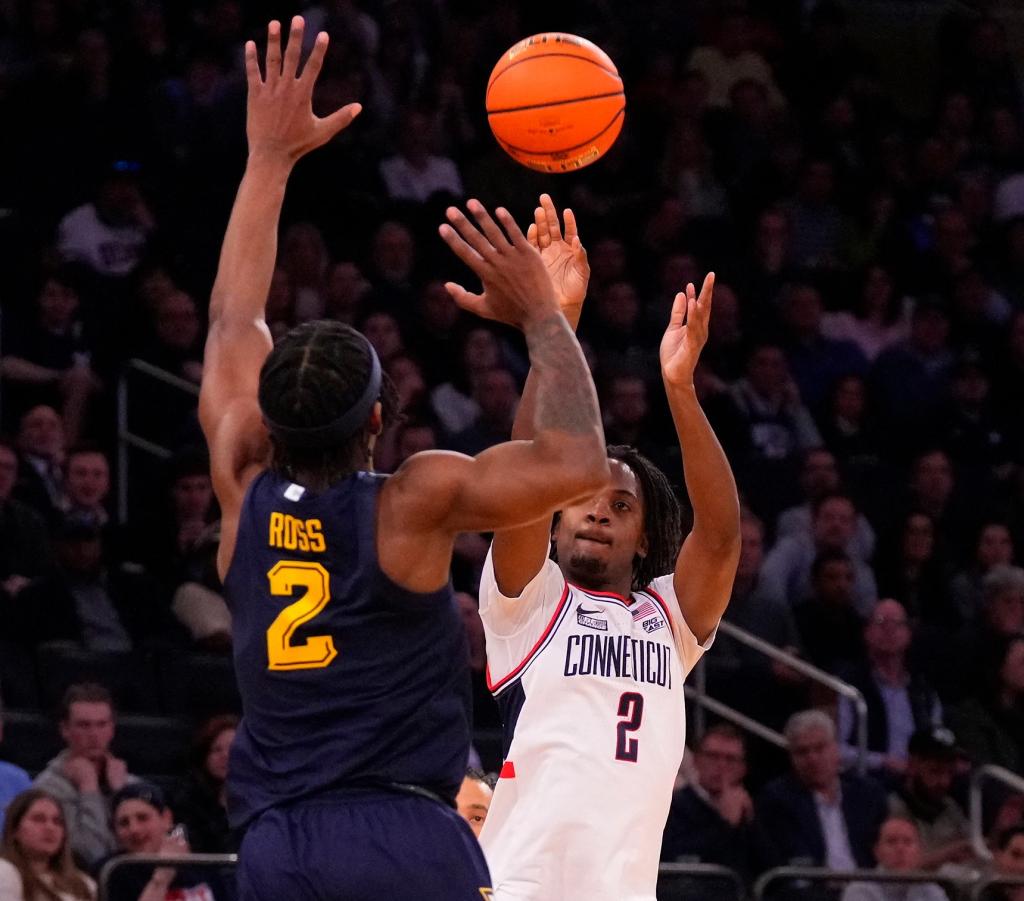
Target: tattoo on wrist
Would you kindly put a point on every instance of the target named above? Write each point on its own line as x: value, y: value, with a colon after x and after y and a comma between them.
x: 565, y: 395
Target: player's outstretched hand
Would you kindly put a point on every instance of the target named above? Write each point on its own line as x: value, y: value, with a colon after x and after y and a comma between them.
x: 280, y: 119
x: 516, y: 284
x: 686, y: 334
x: 563, y: 255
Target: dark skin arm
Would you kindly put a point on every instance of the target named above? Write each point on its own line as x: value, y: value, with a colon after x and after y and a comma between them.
x: 281, y: 128
x: 518, y: 554
x: 706, y: 565
x: 710, y: 552
x: 521, y: 480
x: 434, y: 496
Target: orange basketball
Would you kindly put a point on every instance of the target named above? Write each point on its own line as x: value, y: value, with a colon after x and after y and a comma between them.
x: 555, y: 102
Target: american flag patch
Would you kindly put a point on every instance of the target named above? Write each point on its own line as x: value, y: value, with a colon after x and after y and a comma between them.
x: 646, y: 609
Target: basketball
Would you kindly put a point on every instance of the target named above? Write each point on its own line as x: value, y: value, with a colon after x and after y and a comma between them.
x: 555, y: 102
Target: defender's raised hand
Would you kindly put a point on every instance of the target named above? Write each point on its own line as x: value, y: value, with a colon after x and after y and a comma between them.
x: 563, y: 255
x: 516, y: 284
x: 686, y: 334
x: 279, y: 117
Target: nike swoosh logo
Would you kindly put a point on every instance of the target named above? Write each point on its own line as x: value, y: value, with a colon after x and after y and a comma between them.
x: 588, y: 612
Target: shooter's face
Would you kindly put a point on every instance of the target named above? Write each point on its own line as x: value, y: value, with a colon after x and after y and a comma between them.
x: 598, y: 537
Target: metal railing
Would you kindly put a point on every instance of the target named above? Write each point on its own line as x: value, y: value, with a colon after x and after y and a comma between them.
x: 700, y: 696
x: 126, y: 438
x: 982, y: 886
x: 702, y: 871
x: 823, y: 874
x: 124, y: 861
x: 979, y: 775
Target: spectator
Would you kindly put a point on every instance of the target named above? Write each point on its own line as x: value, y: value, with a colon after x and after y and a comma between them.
x: 452, y: 401
x: 900, y: 700
x: 35, y: 857
x: 49, y: 362
x: 819, y: 476
x: 850, y: 433
x: 878, y: 323
x: 787, y: 567
x: 87, y: 601
x: 972, y: 430
x: 732, y: 59
x: 909, y: 380
x: 816, y: 362
x: 474, y: 800
x: 739, y: 675
x: 497, y: 396
x: 25, y: 552
x: 993, y: 547
x: 85, y: 775
x: 86, y: 486
x: 712, y: 820
x: 1002, y: 618
x: 629, y: 419
x: 280, y: 313
x: 764, y: 426
x: 416, y: 173
x: 200, y: 803
x: 393, y: 259
x: 924, y: 796
x: 13, y: 779
x: 108, y: 234
x: 41, y: 445
x: 304, y: 257
x: 176, y: 341
x: 816, y: 220
x: 913, y: 571
x: 898, y: 850
x: 383, y: 331
x: 991, y: 726
x: 1008, y: 861
x: 346, y: 293
x: 172, y: 544
x: 142, y: 824
x: 830, y: 627
x: 815, y: 814
x: 617, y: 331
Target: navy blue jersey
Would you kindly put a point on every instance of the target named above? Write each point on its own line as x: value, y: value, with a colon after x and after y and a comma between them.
x: 346, y: 678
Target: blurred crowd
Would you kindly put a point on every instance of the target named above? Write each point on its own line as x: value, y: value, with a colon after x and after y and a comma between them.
x: 858, y: 187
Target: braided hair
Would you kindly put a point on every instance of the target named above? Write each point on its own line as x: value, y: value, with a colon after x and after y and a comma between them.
x: 312, y: 377
x: 662, y: 517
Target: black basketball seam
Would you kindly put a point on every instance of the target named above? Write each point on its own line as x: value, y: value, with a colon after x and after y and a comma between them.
x: 621, y: 111
x: 519, y: 109
x: 585, y: 59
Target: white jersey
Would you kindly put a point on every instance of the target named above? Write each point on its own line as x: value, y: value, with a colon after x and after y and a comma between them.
x: 590, y: 687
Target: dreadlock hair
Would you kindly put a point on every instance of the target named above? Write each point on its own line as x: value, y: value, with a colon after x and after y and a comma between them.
x: 662, y: 517
x: 312, y: 377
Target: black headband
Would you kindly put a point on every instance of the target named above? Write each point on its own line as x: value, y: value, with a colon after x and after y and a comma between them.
x: 322, y: 436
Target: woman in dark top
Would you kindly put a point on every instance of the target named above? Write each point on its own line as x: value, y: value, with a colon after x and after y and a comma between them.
x: 199, y: 804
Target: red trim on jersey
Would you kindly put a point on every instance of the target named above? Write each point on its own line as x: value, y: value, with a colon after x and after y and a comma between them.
x: 508, y: 770
x: 494, y: 686
x: 664, y: 607
x: 610, y: 595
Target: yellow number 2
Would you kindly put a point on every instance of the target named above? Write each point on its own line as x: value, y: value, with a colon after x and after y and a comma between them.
x: 317, y: 651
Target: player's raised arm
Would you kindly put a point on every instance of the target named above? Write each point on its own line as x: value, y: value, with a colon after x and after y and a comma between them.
x: 281, y: 128
x: 519, y: 553
x: 706, y: 565
x: 517, y: 481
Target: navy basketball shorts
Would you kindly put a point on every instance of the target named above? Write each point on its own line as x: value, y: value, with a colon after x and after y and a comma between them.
x: 366, y: 846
